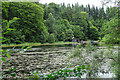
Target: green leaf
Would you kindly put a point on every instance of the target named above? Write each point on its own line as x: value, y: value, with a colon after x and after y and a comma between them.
x: 11, y: 51
x: 8, y: 55
x: 1, y: 37
x: 88, y: 65
x: 23, y: 47
x: 80, y: 76
x: 5, y: 32
x: 14, y: 69
x: 76, y: 74
x: 7, y: 50
x: 88, y: 68
x: 10, y: 70
x: 30, y: 77
x: 4, y: 51
x: 79, y: 68
x: 3, y: 59
x: 83, y: 66
x: 10, y: 29
x: 84, y: 71
x: 69, y: 70
x: 67, y: 75
x: 35, y: 73
x: 13, y: 74
x: 28, y: 47
x: 74, y: 70
x: 1, y: 50
x: 80, y: 73
x: 3, y: 40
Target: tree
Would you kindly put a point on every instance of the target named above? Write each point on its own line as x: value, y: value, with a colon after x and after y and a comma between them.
x: 52, y: 8
x: 62, y: 36
x: 111, y: 31
x: 50, y: 23
x: 101, y: 13
x: 5, y: 6
x: 93, y: 34
x: 44, y: 36
x: 111, y: 12
x: 30, y: 18
x: 69, y: 34
x: 11, y: 35
x: 68, y: 12
x: 51, y: 38
x: 78, y: 33
x: 88, y: 10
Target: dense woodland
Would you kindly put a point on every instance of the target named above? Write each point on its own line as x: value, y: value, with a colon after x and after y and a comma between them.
x: 35, y: 22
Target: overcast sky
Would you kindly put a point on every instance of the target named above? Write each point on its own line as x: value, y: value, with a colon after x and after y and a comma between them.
x: 84, y: 2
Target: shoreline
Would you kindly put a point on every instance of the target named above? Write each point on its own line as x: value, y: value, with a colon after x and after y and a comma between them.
x: 35, y: 44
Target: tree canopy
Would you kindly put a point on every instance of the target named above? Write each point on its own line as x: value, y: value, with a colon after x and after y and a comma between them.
x: 36, y: 22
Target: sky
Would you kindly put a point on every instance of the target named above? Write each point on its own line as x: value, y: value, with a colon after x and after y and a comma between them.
x: 84, y: 2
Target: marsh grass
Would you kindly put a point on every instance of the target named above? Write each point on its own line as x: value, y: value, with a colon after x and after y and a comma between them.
x: 90, y: 48
x: 98, y: 58
x: 77, y: 52
x: 98, y: 54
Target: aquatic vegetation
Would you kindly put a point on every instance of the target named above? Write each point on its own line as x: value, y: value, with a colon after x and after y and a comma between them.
x: 77, y: 52
x: 7, y: 54
x: 97, y: 58
x: 76, y: 71
x: 89, y: 48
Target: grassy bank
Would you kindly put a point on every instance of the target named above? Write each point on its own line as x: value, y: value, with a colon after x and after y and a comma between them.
x: 56, y: 43
x: 34, y: 44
